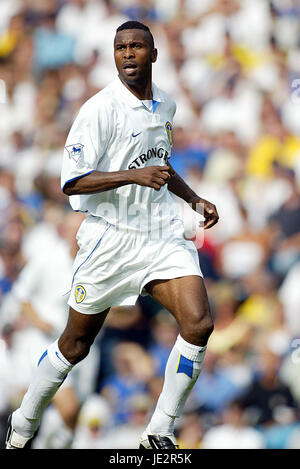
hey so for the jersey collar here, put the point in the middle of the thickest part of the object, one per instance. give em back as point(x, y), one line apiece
point(132, 100)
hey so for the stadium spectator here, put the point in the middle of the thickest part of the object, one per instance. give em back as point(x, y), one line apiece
point(234, 432)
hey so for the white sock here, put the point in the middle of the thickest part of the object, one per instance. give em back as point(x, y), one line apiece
point(182, 370)
point(51, 371)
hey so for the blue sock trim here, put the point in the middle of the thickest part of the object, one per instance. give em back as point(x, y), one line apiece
point(42, 357)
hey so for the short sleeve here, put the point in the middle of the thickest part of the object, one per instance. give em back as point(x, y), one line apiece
point(86, 142)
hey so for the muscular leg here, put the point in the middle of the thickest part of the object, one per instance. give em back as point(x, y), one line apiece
point(79, 334)
point(186, 299)
point(72, 347)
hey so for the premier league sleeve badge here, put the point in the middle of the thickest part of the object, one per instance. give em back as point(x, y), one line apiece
point(75, 151)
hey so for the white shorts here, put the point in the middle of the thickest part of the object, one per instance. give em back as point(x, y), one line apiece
point(112, 266)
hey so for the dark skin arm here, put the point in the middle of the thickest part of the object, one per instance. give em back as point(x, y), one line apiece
point(151, 176)
point(99, 181)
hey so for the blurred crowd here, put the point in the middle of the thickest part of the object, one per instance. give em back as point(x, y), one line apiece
point(233, 67)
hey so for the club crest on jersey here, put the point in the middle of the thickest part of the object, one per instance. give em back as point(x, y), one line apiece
point(79, 293)
point(169, 130)
point(75, 151)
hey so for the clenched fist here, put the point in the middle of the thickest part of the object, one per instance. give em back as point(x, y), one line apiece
point(151, 176)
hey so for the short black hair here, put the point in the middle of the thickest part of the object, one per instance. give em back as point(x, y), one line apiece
point(137, 25)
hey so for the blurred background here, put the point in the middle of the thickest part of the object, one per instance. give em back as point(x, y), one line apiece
point(233, 67)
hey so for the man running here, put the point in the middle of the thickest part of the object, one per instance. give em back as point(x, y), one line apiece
point(116, 169)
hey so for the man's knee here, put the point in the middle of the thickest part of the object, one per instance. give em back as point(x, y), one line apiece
point(206, 328)
point(198, 329)
point(74, 349)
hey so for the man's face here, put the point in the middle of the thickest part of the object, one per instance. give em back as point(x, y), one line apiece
point(133, 55)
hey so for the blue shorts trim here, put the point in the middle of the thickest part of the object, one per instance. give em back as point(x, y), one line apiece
point(91, 253)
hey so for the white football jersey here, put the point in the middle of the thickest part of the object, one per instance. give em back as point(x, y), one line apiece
point(116, 131)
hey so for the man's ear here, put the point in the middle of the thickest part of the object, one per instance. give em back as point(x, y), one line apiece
point(154, 55)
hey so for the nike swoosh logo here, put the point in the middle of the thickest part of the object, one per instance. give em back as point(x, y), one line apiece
point(135, 135)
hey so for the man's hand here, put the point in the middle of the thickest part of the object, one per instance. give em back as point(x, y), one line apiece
point(151, 176)
point(207, 209)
